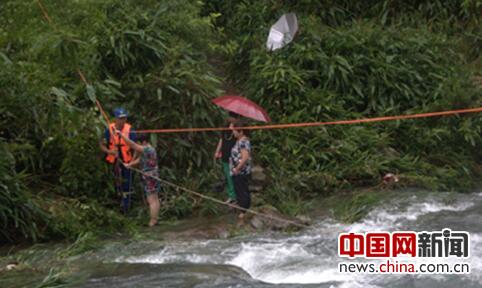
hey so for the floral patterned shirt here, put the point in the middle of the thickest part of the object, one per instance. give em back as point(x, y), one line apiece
point(149, 159)
point(149, 166)
point(236, 156)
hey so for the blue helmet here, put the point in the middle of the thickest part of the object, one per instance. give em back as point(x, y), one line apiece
point(120, 112)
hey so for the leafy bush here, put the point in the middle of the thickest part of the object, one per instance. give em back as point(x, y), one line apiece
point(71, 218)
point(19, 216)
point(150, 58)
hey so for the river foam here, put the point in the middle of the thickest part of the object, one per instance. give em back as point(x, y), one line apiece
point(310, 256)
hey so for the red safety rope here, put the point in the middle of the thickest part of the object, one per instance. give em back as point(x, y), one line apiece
point(314, 124)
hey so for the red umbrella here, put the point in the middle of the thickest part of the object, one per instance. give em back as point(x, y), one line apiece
point(242, 106)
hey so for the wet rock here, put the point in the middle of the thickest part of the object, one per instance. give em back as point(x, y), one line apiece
point(255, 188)
point(11, 267)
point(257, 174)
point(257, 223)
point(166, 275)
point(258, 179)
point(206, 232)
point(303, 219)
point(272, 219)
point(223, 234)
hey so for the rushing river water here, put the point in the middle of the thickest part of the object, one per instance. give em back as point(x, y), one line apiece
point(307, 258)
point(303, 259)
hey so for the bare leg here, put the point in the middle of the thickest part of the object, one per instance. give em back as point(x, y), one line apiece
point(241, 219)
point(154, 205)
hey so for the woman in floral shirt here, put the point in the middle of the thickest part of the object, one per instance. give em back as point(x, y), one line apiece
point(240, 164)
point(147, 157)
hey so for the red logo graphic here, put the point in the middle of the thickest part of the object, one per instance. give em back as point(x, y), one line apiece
point(377, 244)
point(351, 244)
point(404, 244)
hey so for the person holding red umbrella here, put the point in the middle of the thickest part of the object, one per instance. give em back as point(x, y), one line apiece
point(223, 152)
point(242, 106)
point(240, 154)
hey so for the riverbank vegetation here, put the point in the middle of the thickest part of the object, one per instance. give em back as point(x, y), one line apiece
point(165, 60)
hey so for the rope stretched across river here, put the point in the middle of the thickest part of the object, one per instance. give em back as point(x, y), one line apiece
point(316, 124)
point(270, 217)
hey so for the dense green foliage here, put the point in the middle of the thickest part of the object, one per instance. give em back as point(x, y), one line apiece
point(18, 214)
point(147, 58)
point(165, 60)
point(355, 60)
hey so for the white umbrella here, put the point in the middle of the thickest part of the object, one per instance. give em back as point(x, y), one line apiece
point(282, 32)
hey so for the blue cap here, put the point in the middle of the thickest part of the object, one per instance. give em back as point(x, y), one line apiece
point(120, 112)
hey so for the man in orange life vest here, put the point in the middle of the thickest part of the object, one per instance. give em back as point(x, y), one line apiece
point(117, 149)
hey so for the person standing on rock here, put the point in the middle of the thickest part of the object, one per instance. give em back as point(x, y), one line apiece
point(223, 152)
point(146, 156)
point(118, 151)
point(240, 166)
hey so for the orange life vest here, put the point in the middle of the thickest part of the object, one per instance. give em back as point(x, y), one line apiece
point(115, 141)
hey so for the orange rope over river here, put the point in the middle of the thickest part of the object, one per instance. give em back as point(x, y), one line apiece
point(314, 124)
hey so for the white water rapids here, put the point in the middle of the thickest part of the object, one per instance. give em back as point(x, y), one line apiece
point(310, 256)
